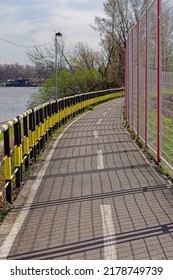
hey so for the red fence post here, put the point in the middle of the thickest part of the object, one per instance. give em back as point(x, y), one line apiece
point(132, 111)
point(126, 74)
point(128, 84)
point(146, 81)
point(127, 81)
point(138, 29)
point(158, 82)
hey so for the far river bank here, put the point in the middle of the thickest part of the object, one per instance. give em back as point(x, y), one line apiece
point(13, 101)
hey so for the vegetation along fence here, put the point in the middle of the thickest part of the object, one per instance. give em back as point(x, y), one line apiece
point(23, 138)
point(149, 79)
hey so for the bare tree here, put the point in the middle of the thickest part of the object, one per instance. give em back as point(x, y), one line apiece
point(85, 57)
point(167, 39)
point(120, 16)
point(44, 58)
point(14, 71)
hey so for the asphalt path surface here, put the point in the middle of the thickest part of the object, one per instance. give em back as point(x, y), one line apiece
point(96, 197)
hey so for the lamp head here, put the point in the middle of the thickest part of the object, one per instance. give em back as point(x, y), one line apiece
point(58, 34)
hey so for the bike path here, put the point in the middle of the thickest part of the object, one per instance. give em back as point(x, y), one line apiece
point(96, 197)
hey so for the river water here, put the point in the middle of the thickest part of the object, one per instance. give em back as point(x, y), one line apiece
point(13, 101)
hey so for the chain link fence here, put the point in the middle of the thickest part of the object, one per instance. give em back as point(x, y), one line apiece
point(149, 79)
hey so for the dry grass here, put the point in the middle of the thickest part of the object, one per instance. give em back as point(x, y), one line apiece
point(2, 200)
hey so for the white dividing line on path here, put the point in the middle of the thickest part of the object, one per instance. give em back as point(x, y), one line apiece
point(122, 118)
point(110, 252)
point(96, 136)
point(10, 238)
point(109, 109)
point(99, 121)
point(100, 164)
point(104, 114)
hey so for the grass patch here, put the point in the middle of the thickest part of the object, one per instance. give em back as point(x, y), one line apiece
point(89, 108)
point(4, 211)
point(167, 135)
point(167, 142)
point(161, 167)
point(153, 96)
point(11, 131)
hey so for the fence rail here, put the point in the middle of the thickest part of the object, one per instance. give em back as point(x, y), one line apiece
point(23, 138)
point(149, 79)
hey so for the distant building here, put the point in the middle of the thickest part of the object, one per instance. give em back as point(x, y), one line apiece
point(19, 82)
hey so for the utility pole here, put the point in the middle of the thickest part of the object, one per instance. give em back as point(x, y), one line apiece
point(58, 34)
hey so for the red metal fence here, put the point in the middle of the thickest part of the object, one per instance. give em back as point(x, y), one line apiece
point(149, 79)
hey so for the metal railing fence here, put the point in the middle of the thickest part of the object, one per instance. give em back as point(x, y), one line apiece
point(149, 79)
point(23, 138)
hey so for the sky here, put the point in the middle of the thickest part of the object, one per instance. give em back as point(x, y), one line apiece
point(34, 22)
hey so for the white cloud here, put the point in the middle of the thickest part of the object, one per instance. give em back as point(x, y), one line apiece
point(36, 22)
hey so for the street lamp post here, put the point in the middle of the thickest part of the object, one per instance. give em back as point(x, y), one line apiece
point(58, 34)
